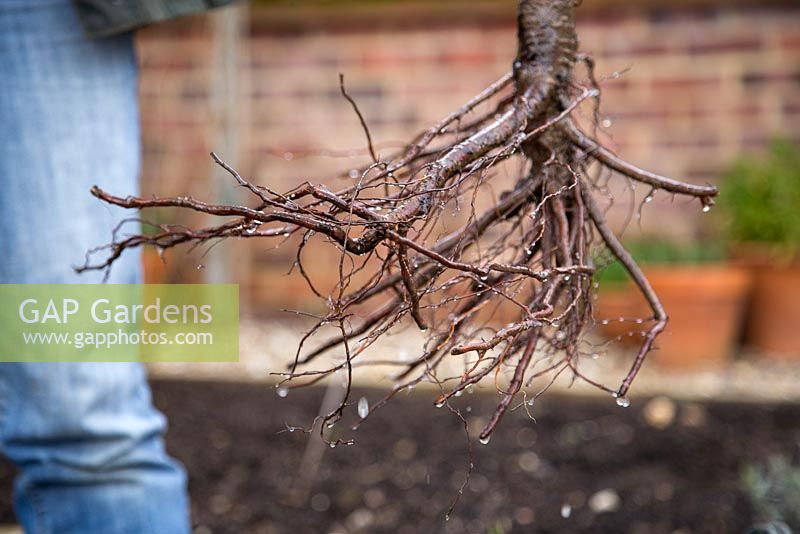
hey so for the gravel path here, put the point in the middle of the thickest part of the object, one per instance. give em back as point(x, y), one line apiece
point(268, 346)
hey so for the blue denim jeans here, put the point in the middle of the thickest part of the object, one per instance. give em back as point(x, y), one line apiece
point(85, 436)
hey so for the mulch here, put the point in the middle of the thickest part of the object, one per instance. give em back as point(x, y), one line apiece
point(410, 459)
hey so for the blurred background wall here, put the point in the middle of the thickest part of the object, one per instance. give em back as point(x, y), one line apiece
point(690, 85)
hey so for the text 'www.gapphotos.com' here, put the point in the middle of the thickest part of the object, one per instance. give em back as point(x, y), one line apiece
point(107, 340)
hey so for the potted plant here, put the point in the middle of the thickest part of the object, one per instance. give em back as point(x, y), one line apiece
point(703, 295)
point(761, 207)
point(154, 266)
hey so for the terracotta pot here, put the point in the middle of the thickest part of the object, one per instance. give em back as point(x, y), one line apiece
point(620, 302)
point(705, 304)
point(773, 325)
point(155, 270)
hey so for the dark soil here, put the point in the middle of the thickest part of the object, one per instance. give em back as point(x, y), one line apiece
point(410, 460)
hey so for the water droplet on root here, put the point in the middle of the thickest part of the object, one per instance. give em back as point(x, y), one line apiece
point(363, 407)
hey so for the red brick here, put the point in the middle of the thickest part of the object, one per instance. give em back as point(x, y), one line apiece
point(689, 141)
point(791, 106)
point(754, 78)
point(791, 41)
point(725, 44)
point(705, 174)
point(372, 59)
point(641, 113)
point(637, 49)
point(683, 82)
point(472, 57)
point(749, 109)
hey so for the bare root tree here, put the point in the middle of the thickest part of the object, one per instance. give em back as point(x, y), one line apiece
point(532, 249)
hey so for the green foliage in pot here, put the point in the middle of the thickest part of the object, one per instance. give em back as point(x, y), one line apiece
point(774, 491)
point(760, 199)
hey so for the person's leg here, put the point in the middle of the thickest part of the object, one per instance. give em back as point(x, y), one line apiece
point(85, 435)
point(89, 447)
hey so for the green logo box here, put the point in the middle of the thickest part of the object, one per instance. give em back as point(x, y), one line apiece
point(119, 322)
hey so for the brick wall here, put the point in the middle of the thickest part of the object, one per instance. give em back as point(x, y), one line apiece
point(697, 87)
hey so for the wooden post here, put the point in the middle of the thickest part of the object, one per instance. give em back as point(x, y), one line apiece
point(229, 100)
